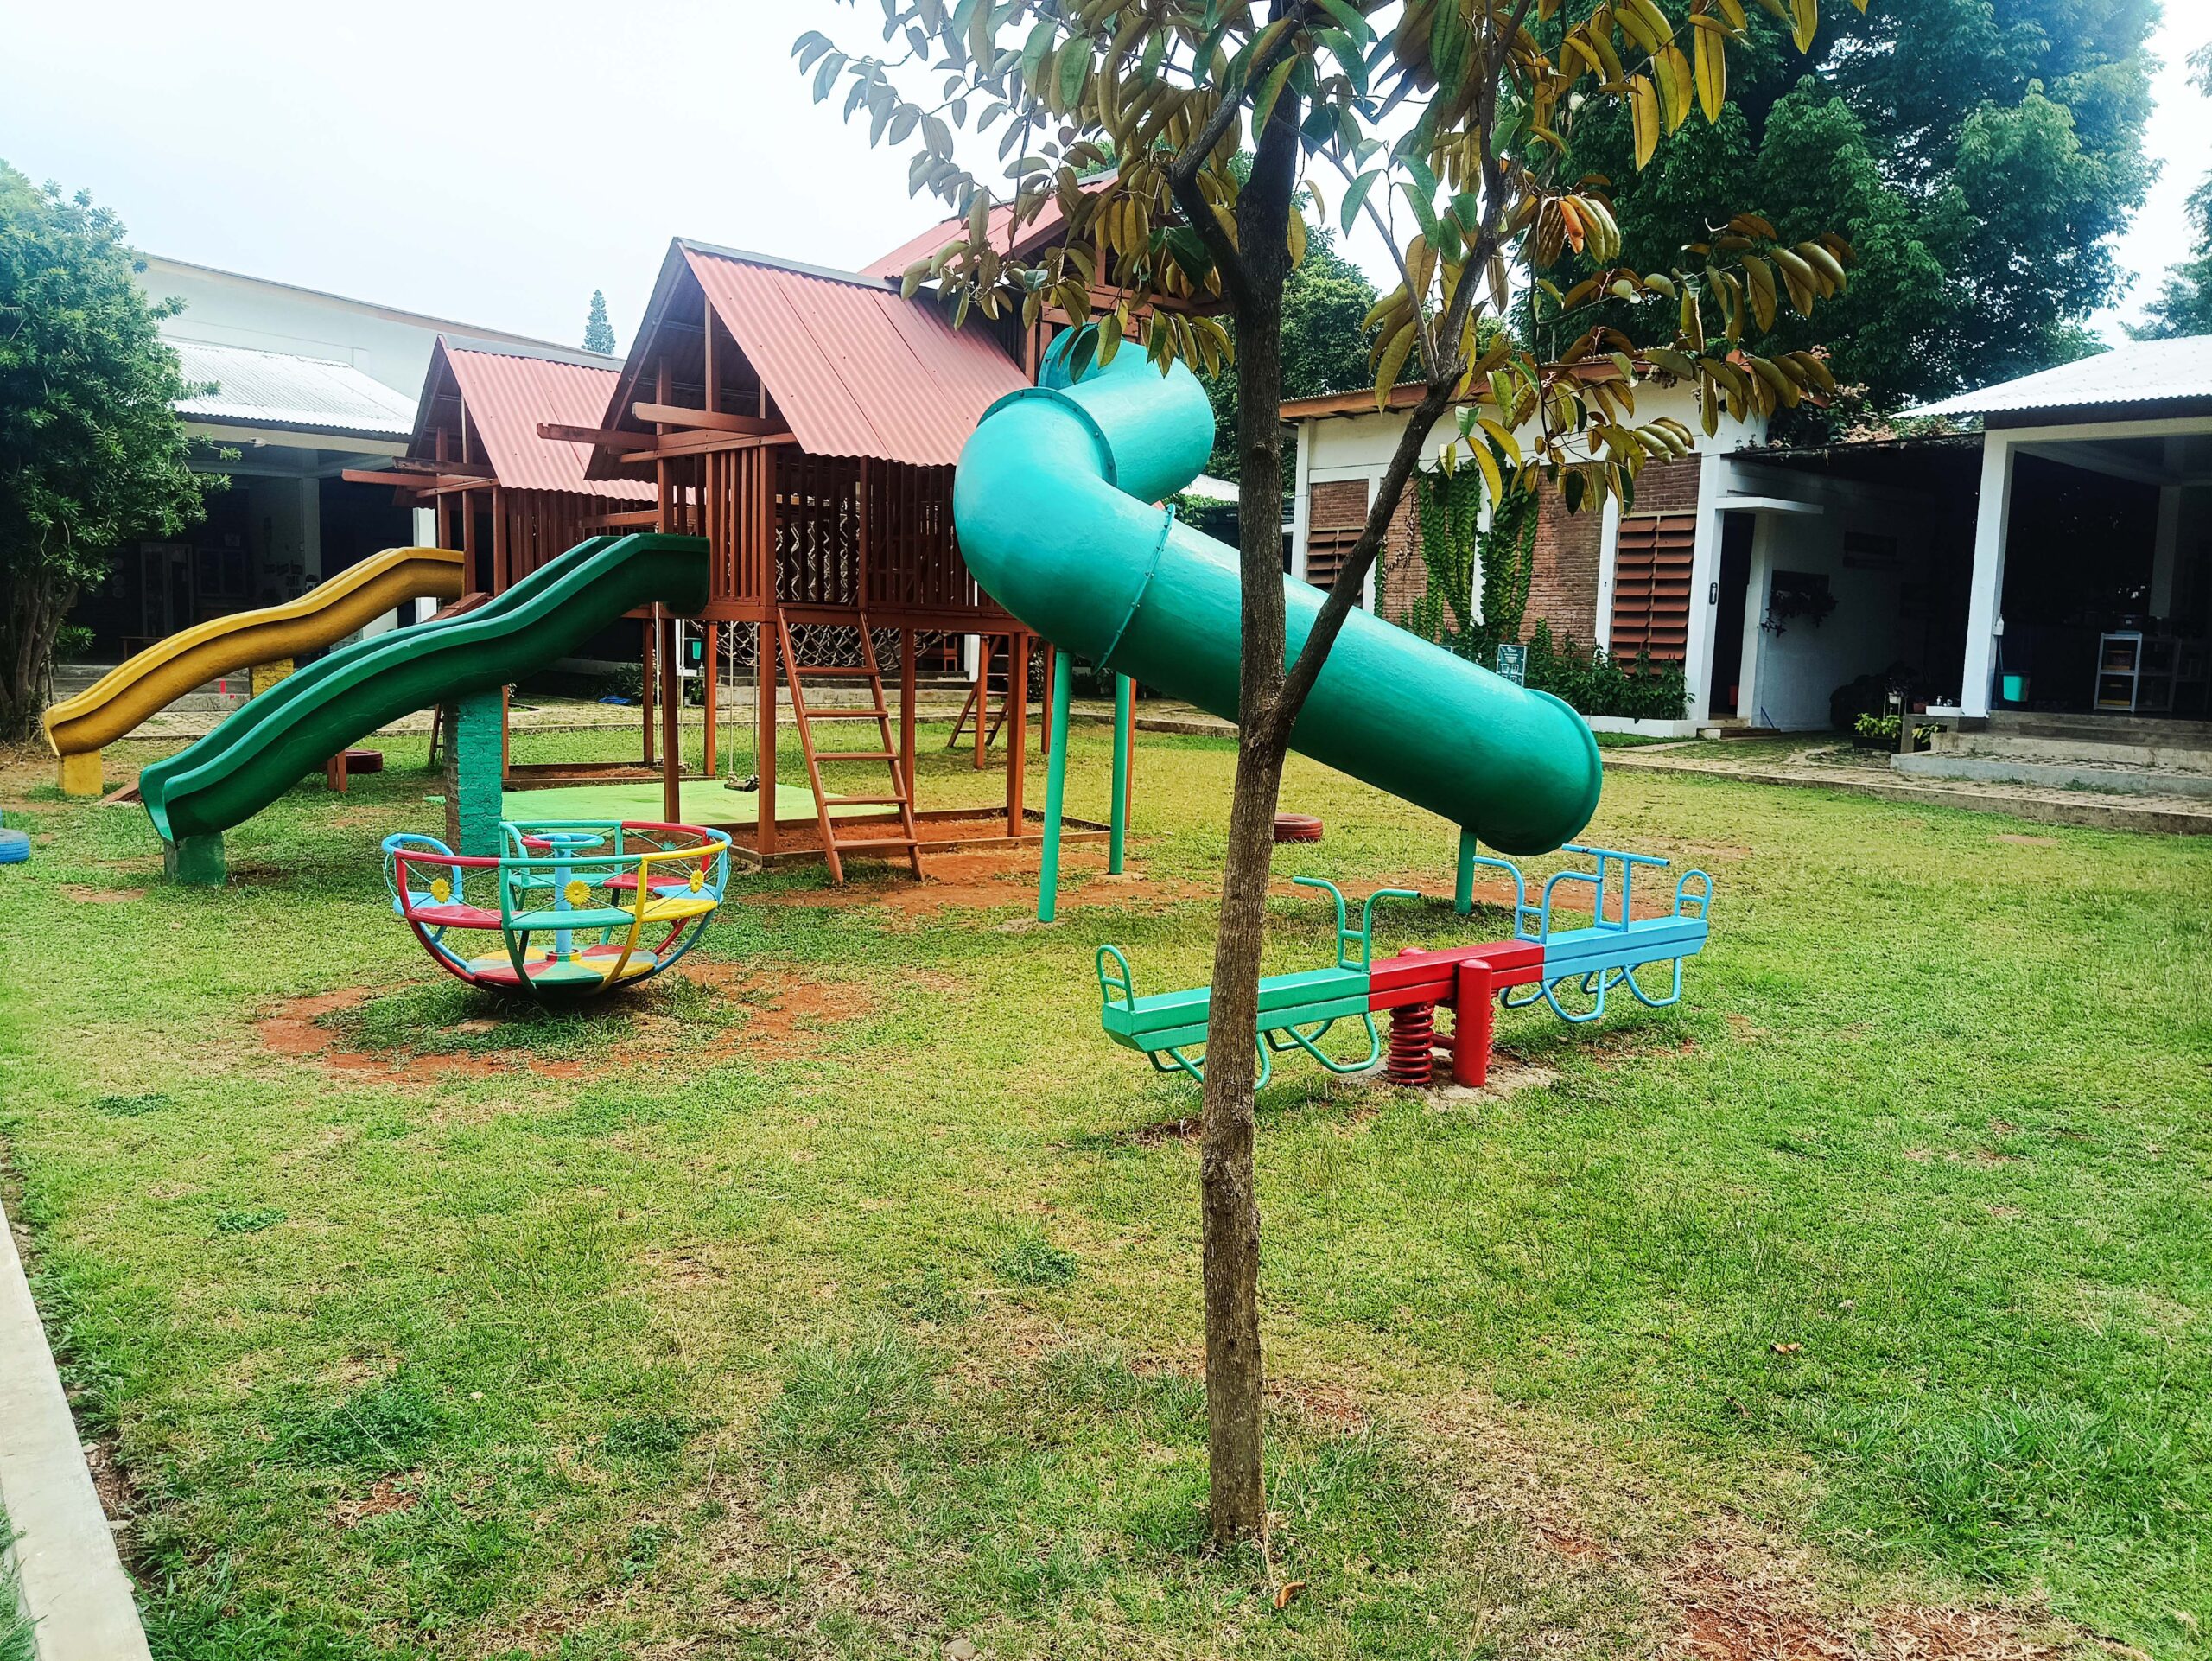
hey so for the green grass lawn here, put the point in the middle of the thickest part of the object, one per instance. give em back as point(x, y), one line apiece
point(838, 1296)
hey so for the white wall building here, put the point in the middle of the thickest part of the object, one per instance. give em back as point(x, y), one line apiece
point(304, 385)
point(2058, 565)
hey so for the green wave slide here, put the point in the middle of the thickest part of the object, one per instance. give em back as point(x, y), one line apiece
point(1053, 503)
point(267, 745)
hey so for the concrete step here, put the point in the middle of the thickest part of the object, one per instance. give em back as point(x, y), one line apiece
point(2156, 731)
point(2102, 777)
point(2176, 751)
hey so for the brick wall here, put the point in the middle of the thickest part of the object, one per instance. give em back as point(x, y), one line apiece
point(1668, 487)
point(1563, 576)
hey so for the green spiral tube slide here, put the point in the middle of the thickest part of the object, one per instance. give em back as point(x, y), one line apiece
point(1053, 503)
point(267, 746)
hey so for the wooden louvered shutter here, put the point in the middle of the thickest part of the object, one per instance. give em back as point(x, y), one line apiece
point(1336, 514)
point(1651, 588)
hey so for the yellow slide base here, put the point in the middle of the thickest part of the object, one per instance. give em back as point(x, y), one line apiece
point(79, 774)
point(326, 614)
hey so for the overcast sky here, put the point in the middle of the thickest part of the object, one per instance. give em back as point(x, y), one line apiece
point(494, 163)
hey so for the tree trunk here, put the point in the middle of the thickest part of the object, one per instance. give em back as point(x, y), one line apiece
point(1228, 1194)
point(27, 636)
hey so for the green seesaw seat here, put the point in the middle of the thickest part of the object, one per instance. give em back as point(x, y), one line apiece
point(1296, 1011)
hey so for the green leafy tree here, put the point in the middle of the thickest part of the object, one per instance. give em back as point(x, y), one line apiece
point(1438, 120)
point(1978, 155)
point(2184, 304)
point(599, 334)
point(92, 453)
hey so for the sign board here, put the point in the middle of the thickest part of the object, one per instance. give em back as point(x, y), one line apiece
point(1513, 664)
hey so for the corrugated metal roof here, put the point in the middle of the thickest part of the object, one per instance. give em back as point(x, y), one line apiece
point(2142, 372)
point(274, 389)
point(856, 369)
point(508, 392)
point(1038, 233)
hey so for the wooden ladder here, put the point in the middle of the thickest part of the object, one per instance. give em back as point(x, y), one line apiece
point(796, 675)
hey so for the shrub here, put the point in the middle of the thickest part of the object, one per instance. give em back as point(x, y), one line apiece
point(1594, 683)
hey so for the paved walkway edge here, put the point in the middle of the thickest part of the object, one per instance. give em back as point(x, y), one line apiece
point(72, 1582)
point(2170, 817)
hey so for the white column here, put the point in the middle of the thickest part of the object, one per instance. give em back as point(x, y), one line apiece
point(1992, 520)
point(1714, 478)
point(1301, 505)
point(1608, 550)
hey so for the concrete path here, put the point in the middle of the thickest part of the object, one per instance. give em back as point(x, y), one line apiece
point(71, 1582)
point(2175, 816)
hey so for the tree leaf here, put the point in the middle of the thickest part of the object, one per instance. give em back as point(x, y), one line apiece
point(1355, 195)
point(1394, 360)
point(1643, 109)
point(1711, 71)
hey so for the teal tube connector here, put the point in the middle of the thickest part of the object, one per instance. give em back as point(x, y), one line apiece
point(1053, 504)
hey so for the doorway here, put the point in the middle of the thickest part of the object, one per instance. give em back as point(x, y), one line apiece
point(1732, 594)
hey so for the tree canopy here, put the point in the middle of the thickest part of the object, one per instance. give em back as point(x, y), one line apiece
point(92, 453)
point(1978, 155)
point(599, 334)
point(2184, 303)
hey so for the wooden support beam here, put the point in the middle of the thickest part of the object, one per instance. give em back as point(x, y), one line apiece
point(677, 446)
point(606, 438)
point(676, 415)
point(480, 470)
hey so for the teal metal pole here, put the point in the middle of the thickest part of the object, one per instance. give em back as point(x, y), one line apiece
point(1056, 778)
point(1121, 739)
point(1463, 898)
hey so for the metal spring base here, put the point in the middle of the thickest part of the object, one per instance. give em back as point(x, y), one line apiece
point(1413, 1046)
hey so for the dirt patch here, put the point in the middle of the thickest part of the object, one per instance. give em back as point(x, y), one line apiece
point(1759, 1615)
point(989, 879)
point(2018, 840)
point(781, 1017)
point(84, 896)
point(388, 1496)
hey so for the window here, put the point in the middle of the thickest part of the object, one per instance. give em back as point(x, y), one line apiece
point(1651, 588)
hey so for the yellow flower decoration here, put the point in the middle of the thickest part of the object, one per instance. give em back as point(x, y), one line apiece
point(440, 890)
point(578, 891)
point(698, 879)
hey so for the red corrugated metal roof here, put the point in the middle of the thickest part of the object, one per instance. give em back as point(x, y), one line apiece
point(508, 394)
point(1038, 233)
point(856, 369)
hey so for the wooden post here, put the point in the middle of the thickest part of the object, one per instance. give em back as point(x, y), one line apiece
point(671, 703)
point(764, 759)
point(1017, 737)
point(710, 667)
point(1045, 698)
point(907, 708)
point(983, 643)
point(646, 684)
